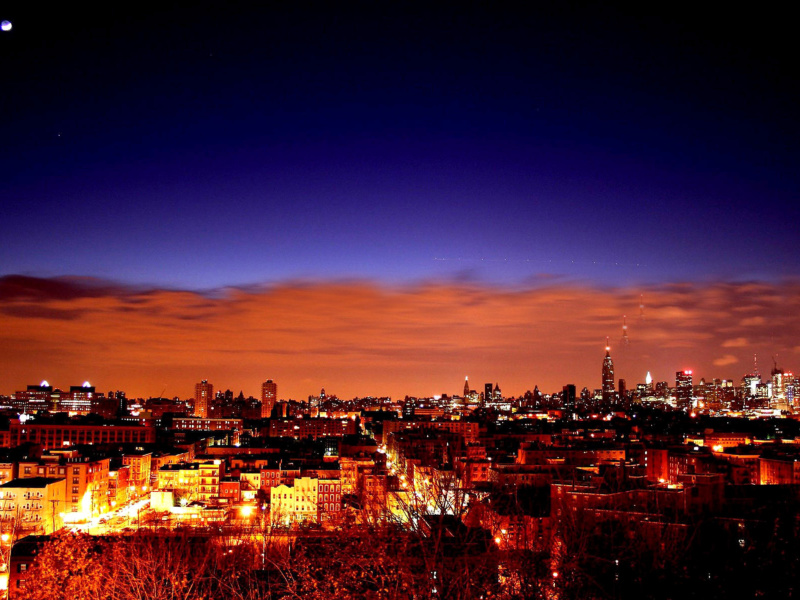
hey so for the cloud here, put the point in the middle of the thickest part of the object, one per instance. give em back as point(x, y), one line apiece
point(728, 359)
point(14, 287)
point(359, 338)
point(753, 321)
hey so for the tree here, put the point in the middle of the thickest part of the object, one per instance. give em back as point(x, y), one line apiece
point(70, 567)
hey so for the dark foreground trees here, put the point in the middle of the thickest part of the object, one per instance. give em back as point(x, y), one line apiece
point(377, 562)
point(440, 559)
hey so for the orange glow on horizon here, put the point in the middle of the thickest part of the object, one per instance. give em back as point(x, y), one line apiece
point(359, 339)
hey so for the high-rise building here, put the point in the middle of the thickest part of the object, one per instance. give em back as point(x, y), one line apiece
point(608, 388)
point(497, 394)
point(586, 396)
point(683, 390)
point(269, 395)
point(750, 383)
point(122, 403)
point(203, 393)
point(79, 400)
point(487, 392)
point(466, 386)
point(782, 389)
point(568, 397)
point(36, 397)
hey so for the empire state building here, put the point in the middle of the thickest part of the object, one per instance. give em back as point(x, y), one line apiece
point(609, 392)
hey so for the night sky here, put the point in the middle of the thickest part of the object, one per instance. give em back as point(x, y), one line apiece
point(383, 198)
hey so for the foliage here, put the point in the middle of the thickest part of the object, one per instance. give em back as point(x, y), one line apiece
point(68, 567)
point(430, 556)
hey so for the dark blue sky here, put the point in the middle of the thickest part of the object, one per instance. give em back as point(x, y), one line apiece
point(223, 145)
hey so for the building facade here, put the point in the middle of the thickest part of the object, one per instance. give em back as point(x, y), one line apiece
point(269, 396)
point(203, 394)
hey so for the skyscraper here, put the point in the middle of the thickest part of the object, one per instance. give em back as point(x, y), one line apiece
point(269, 395)
point(203, 393)
point(568, 397)
point(122, 403)
point(487, 392)
point(608, 388)
point(466, 386)
point(683, 390)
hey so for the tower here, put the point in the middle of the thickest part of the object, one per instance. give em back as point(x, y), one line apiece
point(269, 395)
point(122, 403)
point(779, 383)
point(608, 388)
point(487, 393)
point(568, 397)
point(203, 392)
point(625, 340)
point(466, 386)
point(648, 385)
point(683, 390)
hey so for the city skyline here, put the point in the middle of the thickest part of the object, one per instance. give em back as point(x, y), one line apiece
point(382, 341)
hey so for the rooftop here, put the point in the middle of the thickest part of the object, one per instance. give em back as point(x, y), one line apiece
point(31, 482)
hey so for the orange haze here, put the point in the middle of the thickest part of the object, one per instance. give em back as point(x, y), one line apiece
point(359, 338)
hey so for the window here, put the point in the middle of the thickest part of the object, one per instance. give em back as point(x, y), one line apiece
point(27, 470)
point(76, 470)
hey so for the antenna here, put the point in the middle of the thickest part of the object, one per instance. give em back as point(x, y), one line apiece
point(641, 306)
point(625, 340)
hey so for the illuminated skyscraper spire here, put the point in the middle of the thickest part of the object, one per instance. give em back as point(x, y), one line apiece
point(466, 386)
point(608, 388)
